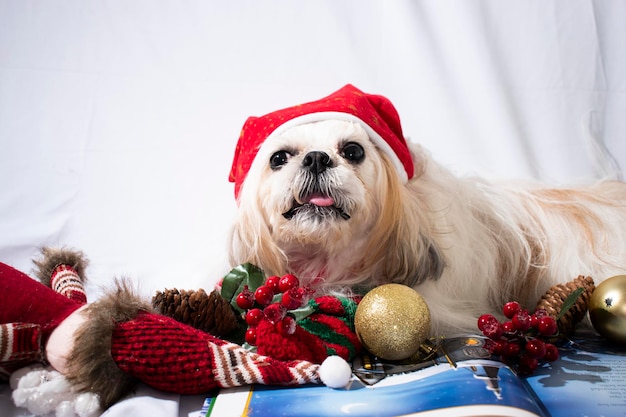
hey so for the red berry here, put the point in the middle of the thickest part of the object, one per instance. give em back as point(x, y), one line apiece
point(275, 313)
point(305, 293)
point(264, 295)
point(510, 308)
point(292, 299)
point(486, 319)
point(493, 330)
point(251, 336)
point(547, 326)
point(537, 316)
point(508, 327)
point(552, 353)
point(245, 299)
point(286, 326)
point(521, 320)
point(512, 350)
point(527, 364)
point(272, 282)
point(287, 282)
point(499, 347)
point(254, 317)
point(536, 348)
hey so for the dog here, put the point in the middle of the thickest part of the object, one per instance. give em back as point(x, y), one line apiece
point(322, 200)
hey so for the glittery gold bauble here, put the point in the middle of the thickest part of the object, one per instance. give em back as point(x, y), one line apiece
point(391, 321)
point(607, 308)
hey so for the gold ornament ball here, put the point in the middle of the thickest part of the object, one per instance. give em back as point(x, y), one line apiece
point(607, 308)
point(391, 321)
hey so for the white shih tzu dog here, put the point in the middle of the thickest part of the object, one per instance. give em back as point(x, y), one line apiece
point(331, 192)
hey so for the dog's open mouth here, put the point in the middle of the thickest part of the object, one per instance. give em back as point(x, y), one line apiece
point(317, 204)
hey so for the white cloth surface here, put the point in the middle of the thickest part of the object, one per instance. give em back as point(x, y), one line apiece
point(119, 119)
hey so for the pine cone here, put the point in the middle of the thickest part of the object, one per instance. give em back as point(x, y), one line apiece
point(210, 313)
point(552, 302)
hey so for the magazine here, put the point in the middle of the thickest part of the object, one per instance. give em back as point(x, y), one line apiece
point(461, 379)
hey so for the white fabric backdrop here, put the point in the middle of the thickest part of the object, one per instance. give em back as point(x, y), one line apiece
point(118, 119)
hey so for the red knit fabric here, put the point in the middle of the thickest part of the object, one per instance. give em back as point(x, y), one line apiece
point(330, 305)
point(328, 331)
point(164, 354)
point(375, 111)
point(28, 301)
point(300, 345)
point(20, 345)
point(340, 339)
point(174, 357)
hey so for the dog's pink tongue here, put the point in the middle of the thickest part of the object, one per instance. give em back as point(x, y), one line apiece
point(321, 200)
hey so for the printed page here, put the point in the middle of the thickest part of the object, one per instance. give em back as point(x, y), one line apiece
point(588, 380)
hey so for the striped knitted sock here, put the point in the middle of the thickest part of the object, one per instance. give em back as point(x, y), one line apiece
point(25, 300)
point(121, 342)
point(20, 345)
point(66, 281)
point(63, 270)
point(29, 312)
point(170, 356)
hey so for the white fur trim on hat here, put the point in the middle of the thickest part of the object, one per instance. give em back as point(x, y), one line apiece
point(376, 139)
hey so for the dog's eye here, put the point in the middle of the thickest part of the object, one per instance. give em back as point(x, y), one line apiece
point(353, 152)
point(279, 159)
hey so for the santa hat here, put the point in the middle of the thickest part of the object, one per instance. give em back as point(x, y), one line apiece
point(375, 113)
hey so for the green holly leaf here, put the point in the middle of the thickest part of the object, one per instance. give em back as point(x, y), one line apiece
point(303, 312)
point(238, 277)
point(570, 301)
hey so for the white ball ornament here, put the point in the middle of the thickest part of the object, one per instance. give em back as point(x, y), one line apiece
point(335, 372)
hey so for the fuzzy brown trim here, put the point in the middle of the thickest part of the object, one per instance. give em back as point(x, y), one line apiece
point(90, 365)
point(53, 257)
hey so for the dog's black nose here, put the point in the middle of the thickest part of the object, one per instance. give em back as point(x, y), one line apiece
point(316, 162)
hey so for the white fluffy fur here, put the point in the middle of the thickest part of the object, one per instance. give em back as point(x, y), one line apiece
point(467, 245)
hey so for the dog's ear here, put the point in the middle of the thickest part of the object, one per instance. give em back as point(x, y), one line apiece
point(400, 246)
point(412, 259)
point(428, 266)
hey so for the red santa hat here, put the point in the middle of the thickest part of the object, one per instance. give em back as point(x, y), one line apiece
point(375, 113)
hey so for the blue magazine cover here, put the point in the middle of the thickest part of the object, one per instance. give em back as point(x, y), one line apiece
point(463, 379)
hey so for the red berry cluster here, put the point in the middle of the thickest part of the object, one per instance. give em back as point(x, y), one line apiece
point(522, 338)
point(263, 304)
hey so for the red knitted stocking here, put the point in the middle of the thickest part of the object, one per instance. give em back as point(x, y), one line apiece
point(25, 300)
point(122, 340)
point(170, 356)
point(29, 312)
